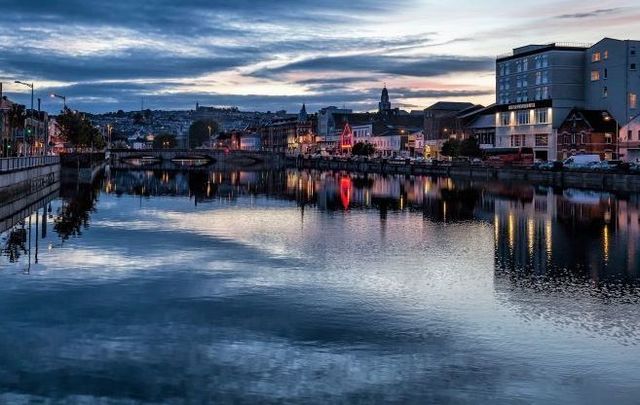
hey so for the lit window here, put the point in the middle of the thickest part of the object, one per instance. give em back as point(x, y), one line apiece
point(505, 119)
point(606, 54)
point(633, 100)
point(608, 138)
point(541, 116)
point(595, 75)
point(595, 57)
point(523, 117)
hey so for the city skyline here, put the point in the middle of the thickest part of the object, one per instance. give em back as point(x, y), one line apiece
point(277, 55)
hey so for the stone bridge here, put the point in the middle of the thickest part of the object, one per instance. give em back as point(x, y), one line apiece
point(218, 159)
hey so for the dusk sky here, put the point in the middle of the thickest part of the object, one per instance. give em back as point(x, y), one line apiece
point(271, 55)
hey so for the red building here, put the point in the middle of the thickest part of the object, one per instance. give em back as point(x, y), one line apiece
point(588, 132)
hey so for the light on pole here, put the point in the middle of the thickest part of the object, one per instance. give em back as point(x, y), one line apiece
point(29, 85)
point(607, 117)
point(63, 98)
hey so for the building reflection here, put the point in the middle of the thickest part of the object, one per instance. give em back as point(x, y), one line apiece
point(585, 234)
point(538, 231)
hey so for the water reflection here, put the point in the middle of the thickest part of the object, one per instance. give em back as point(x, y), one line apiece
point(315, 287)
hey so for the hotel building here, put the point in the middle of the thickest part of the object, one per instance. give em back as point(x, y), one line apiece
point(536, 88)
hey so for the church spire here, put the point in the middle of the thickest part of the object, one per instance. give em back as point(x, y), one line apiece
point(385, 104)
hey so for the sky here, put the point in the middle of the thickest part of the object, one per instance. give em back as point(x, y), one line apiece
point(269, 55)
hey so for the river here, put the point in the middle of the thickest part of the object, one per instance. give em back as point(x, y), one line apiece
point(321, 287)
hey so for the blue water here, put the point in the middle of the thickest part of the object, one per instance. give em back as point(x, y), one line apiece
point(308, 287)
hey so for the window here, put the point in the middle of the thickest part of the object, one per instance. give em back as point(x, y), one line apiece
point(538, 93)
point(545, 61)
point(605, 73)
point(538, 77)
point(595, 75)
point(606, 54)
point(545, 93)
point(542, 140)
point(542, 117)
point(632, 66)
point(605, 92)
point(505, 119)
point(633, 52)
point(519, 82)
point(523, 117)
point(519, 66)
point(545, 77)
point(525, 65)
point(629, 135)
point(608, 138)
point(517, 140)
point(633, 100)
point(595, 57)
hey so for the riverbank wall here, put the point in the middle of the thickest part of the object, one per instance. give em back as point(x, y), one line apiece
point(614, 181)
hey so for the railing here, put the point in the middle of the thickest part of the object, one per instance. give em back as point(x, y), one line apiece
point(27, 162)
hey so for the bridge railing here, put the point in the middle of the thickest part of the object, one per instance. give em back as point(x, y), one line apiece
point(26, 162)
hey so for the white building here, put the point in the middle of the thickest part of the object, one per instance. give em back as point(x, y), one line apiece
point(536, 87)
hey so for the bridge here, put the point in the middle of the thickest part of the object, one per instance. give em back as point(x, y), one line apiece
point(203, 158)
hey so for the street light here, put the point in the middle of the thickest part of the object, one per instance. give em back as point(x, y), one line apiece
point(64, 99)
point(607, 117)
point(29, 85)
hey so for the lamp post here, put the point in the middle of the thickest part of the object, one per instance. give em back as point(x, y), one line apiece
point(210, 143)
point(607, 117)
point(63, 98)
point(29, 85)
point(109, 128)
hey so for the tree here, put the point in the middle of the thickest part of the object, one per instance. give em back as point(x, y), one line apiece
point(451, 148)
point(164, 141)
point(470, 147)
point(199, 132)
point(363, 149)
point(77, 130)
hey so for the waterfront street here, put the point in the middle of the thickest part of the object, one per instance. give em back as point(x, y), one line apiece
point(316, 287)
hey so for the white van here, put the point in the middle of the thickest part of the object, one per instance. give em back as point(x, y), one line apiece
point(581, 160)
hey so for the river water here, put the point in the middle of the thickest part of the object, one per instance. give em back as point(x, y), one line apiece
point(311, 287)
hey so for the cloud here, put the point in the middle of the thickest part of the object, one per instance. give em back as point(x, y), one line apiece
point(428, 66)
point(589, 14)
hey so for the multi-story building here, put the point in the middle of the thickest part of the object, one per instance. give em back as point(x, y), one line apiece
point(612, 78)
point(536, 88)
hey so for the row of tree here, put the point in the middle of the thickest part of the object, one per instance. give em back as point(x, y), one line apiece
point(77, 130)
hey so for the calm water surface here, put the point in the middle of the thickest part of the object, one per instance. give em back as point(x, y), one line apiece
point(310, 287)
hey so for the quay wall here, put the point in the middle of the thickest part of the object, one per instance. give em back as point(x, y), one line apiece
point(17, 183)
point(564, 178)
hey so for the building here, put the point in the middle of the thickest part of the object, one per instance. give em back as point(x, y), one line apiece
point(536, 88)
point(612, 78)
point(289, 133)
point(629, 140)
point(481, 125)
point(587, 132)
point(441, 122)
point(327, 129)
